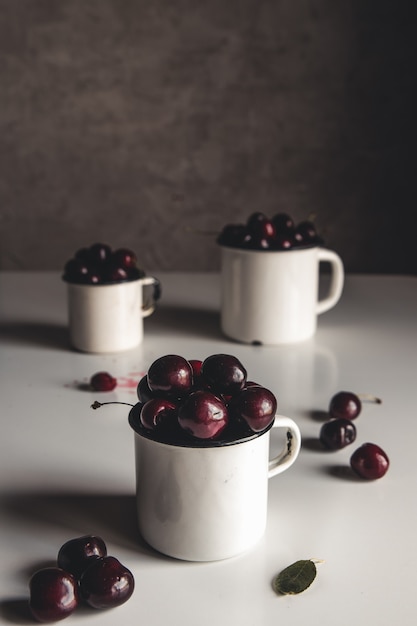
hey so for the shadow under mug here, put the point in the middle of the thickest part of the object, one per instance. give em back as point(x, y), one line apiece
point(272, 296)
point(109, 318)
point(207, 502)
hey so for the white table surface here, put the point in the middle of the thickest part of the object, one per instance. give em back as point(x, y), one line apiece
point(67, 470)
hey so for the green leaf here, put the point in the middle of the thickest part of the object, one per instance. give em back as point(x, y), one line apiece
point(296, 577)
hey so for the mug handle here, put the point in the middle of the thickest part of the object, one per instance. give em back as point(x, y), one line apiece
point(336, 281)
point(149, 307)
point(288, 455)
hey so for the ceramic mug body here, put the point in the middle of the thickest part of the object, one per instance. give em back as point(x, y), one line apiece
point(271, 297)
point(109, 318)
point(207, 503)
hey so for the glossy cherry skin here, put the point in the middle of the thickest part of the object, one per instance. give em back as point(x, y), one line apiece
point(171, 375)
point(203, 415)
point(369, 461)
point(143, 392)
point(156, 411)
point(337, 433)
point(260, 227)
point(196, 365)
point(256, 405)
point(103, 381)
point(224, 373)
point(199, 382)
point(106, 583)
point(306, 233)
point(53, 594)
point(261, 233)
point(284, 242)
point(99, 253)
point(345, 404)
point(124, 257)
point(117, 274)
point(78, 271)
point(283, 223)
point(98, 264)
point(75, 555)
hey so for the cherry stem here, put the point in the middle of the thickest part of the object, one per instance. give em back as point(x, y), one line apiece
point(97, 405)
point(366, 397)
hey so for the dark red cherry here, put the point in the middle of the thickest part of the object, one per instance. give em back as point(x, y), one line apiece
point(75, 268)
point(224, 373)
point(196, 365)
point(124, 257)
point(117, 274)
point(260, 227)
point(337, 433)
point(76, 554)
point(170, 374)
point(77, 271)
point(305, 233)
point(143, 392)
point(103, 381)
point(99, 253)
point(53, 594)
point(83, 254)
point(199, 381)
point(94, 278)
point(345, 404)
point(260, 243)
point(203, 415)
point(283, 223)
point(106, 583)
point(234, 235)
point(256, 405)
point(157, 411)
point(284, 242)
point(369, 461)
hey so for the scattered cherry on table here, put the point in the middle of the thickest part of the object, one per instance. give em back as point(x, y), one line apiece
point(370, 461)
point(54, 594)
point(103, 381)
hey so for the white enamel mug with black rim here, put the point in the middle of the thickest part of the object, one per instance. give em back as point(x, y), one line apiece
point(109, 318)
point(207, 501)
point(271, 297)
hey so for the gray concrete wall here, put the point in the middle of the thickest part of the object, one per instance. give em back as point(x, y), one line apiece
point(142, 122)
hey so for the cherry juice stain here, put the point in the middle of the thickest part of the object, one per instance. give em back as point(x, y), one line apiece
point(130, 382)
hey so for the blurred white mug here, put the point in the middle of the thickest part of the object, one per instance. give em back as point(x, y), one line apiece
point(272, 297)
point(109, 318)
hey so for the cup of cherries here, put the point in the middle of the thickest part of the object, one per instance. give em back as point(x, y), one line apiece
point(202, 432)
point(108, 297)
point(270, 270)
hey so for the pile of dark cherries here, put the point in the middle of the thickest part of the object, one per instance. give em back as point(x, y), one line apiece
point(194, 402)
point(84, 573)
point(277, 233)
point(100, 265)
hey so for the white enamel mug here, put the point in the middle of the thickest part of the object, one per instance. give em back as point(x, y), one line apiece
point(271, 297)
point(207, 503)
point(109, 318)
